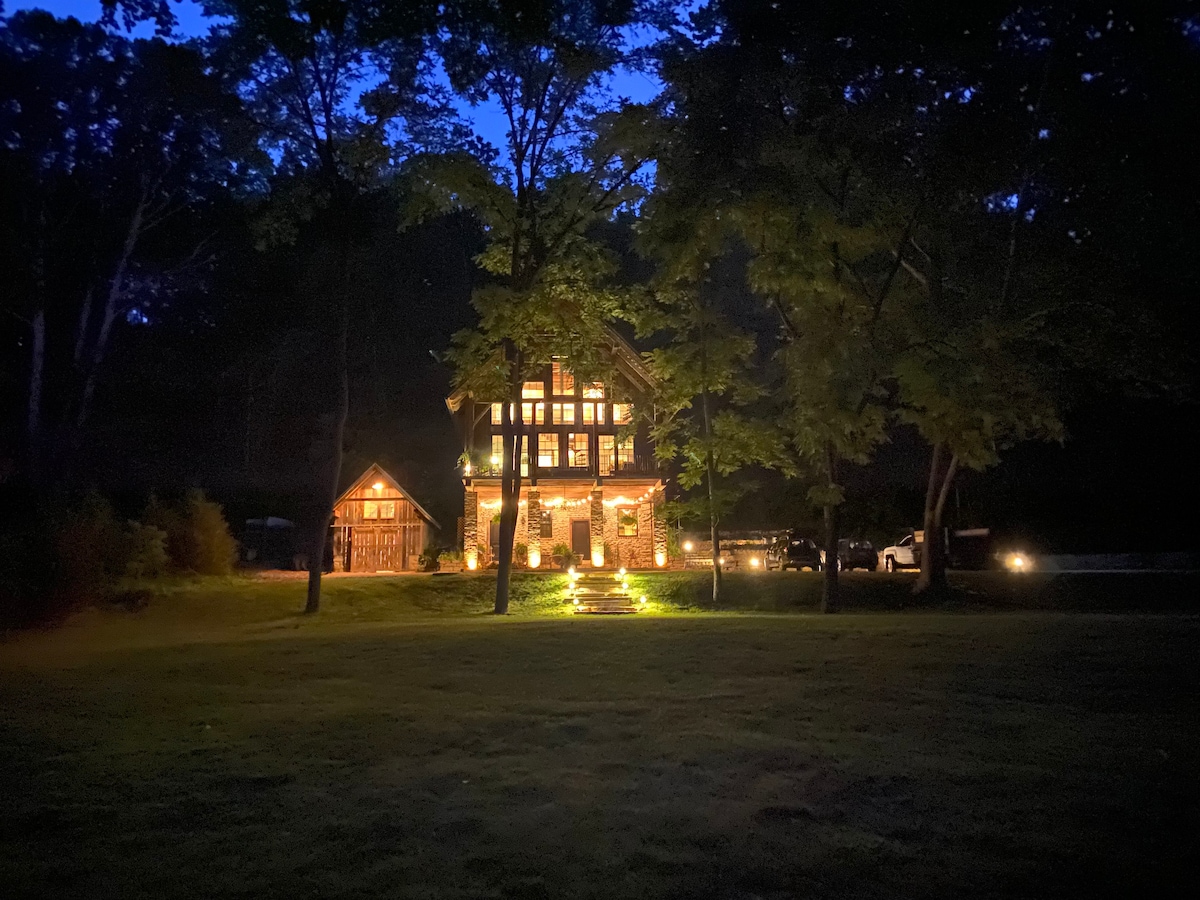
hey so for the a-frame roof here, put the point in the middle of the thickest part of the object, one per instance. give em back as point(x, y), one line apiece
point(376, 472)
point(628, 362)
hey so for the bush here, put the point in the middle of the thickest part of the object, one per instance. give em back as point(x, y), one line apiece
point(521, 555)
point(428, 560)
point(197, 536)
point(146, 551)
point(90, 550)
point(564, 557)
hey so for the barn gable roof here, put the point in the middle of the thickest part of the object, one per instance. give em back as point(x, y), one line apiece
point(376, 472)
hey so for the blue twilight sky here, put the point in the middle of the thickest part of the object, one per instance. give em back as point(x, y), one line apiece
point(486, 118)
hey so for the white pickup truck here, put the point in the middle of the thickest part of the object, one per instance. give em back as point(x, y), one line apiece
point(904, 554)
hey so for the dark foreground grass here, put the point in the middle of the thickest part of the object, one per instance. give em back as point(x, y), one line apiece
point(727, 756)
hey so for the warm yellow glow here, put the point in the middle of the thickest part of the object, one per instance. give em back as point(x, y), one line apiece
point(721, 561)
point(378, 485)
point(571, 571)
point(598, 557)
point(643, 599)
point(495, 460)
point(467, 468)
point(535, 558)
point(688, 546)
point(621, 571)
point(754, 561)
point(625, 585)
point(576, 602)
point(1018, 562)
point(660, 559)
point(472, 562)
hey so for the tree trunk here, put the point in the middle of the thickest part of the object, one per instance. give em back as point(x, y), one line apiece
point(316, 557)
point(510, 480)
point(932, 580)
point(37, 368)
point(116, 290)
point(830, 583)
point(710, 472)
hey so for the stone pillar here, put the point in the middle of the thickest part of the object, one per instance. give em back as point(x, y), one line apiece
point(533, 526)
point(471, 530)
point(597, 527)
point(660, 531)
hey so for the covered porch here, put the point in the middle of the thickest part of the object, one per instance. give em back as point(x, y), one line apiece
point(606, 523)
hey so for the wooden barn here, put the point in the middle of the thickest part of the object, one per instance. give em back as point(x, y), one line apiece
point(378, 526)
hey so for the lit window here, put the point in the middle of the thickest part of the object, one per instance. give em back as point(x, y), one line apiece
point(594, 391)
point(533, 390)
point(524, 455)
point(533, 413)
point(379, 509)
point(562, 413)
point(496, 460)
point(561, 381)
point(577, 451)
point(622, 413)
point(593, 414)
point(605, 462)
point(627, 521)
point(548, 451)
point(547, 524)
point(625, 455)
point(497, 413)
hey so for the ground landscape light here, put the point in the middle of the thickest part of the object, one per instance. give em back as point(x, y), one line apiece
point(688, 546)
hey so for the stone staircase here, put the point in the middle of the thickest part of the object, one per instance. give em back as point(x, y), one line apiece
point(600, 592)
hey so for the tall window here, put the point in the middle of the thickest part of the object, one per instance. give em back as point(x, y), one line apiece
point(548, 450)
point(622, 413)
point(627, 521)
point(577, 451)
point(497, 413)
point(593, 414)
point(533, 413)
point(605, 462)
point(497, 457)
point(533, 390)
point(547, 523)
point(625, 455)
point(594, 391)
point(562, 382)
point(562, 413)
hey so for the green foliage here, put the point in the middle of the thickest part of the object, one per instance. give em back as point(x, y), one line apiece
point(564, 557)
point(521, 554)
point(146, 551)
point(429, 559)
point(198, 538)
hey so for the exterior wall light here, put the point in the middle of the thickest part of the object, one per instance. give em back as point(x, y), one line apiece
point(688, 546)
point(660, 559)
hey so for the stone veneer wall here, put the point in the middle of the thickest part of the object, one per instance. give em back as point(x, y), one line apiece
point(471, 529)
point(634, 552)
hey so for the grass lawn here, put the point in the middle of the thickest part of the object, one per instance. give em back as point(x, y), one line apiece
point(215, 746)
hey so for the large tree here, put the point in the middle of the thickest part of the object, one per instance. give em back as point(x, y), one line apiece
point(110, 147)
point(573, 156)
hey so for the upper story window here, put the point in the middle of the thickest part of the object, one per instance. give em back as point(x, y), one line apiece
point(594, 391)
point(562, 413)
point(593, 414)
point(622, 413)
point(605, 462)
point(625, 454)
point(379, 509)
point(533, 413)
point(548, 450)
point(577, 451)
point(562, 382)
point(533, 390)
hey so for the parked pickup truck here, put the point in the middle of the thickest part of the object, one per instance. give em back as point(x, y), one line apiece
point(966, 548)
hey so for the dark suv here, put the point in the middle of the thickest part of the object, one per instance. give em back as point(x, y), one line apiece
point(793, 552)
point(856, 554)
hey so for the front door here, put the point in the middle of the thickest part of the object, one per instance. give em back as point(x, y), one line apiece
point(581, 538)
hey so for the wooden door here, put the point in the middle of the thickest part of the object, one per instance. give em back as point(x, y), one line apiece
point(581, 538)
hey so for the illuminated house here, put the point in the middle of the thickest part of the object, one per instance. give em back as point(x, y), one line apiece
point(589, 479)
point(378, 526)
